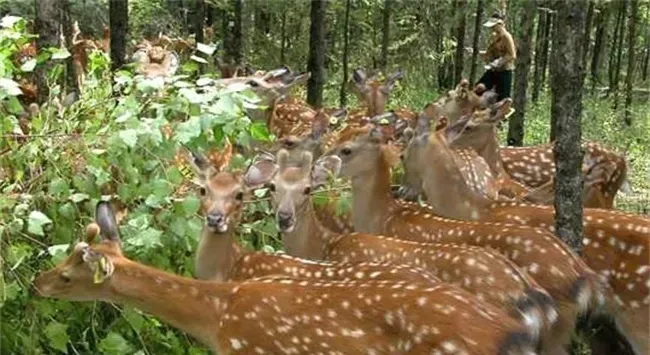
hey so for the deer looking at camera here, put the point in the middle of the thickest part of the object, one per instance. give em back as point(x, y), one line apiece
point(367, 161)
point(276, 314)
point(220, 257)
point(487, 274)
point(616, 245)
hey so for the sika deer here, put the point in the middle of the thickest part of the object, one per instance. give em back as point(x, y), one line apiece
point(478, 131)
point(616, 245)
point(275, 314)
point(570, 282)
point(219, 257)
point(486, 274)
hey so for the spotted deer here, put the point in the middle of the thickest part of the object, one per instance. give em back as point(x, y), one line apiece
point(487, 274)
point(220, 257)
point(367, 162)
point(478, 131)
point(463, 100)
point(277, 314)
point(616, 244)
point(155, 61)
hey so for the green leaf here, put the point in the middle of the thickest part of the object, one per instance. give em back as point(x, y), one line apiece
point(188, 130)
point(198, 59)
point(191, 205)
point(191, 95)
point(59, 187)
point(204, 48)
point(134, 318)
point(129, 137)
point(259, 193)
point(67, 210)
point(15, 107)
point(10, 87)
point(57, 335)
point(149, 237)
point(114, 344)
point(29, 65)
point(204, 81)
point(79, 197)
point(259, 131)
point(9, 21)
point(36, 221)
point(58, 252)
point(60, 53)
point(8, 292)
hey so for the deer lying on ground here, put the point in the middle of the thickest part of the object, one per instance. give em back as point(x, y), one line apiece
point(220, 257)
point(487, 274)
point(367, 162)
point(276, 314)
point(155, 61)
point(616, 244)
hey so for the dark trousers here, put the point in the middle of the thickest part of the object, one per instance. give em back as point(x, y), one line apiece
point(501, 81)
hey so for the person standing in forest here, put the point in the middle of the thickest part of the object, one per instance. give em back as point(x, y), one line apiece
point(500, 56)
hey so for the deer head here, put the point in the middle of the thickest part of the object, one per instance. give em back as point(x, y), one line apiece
point(86, 274)
point(222, 192)
point(463, 101)
point(373, 92)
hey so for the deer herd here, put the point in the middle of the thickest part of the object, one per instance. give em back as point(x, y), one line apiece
point(475, 270)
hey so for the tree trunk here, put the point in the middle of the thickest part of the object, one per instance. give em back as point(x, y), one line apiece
point(283, 35)
point(611, 68)
point(477, 34)
point(68, 33)
point(522, 66)
point(631, 57)
point(460, 40)
point(316, 62)
point(587, 38)
point(566, 106)
point(602, 21)
point(233, 33)
point(47, 27)
point(646, 61)
point(619, 52)
point(539, 49)
point(199, 21)
point(343, 98)
point(546, 48)
point(119, 23)
point(385, 39)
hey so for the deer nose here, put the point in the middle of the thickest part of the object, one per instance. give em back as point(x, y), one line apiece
point(215, 219)
point(285, 220)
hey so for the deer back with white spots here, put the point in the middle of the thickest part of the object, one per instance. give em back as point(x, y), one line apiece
point(616, 244)
point(564, 275)
point(276, 315)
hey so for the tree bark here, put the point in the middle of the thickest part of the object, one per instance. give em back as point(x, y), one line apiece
point(587, 38)
point(68, 32)
point(199, 21)
point(385, 39)
point(233, 33)
point(316, 62)
point(619, 52)
point(602, 21)
point(631, 58)
point(539, 49)
point(522, 66)
point(119, 24)
point(460, 40)
point(566, 106)
point(475, 39)
point(546, 48)
point(343, 98)
point(612, 52)
point(283, 35)
point(47, 27)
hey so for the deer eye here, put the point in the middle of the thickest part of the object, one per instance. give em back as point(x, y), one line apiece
point(307, 190)
point(271, 186)
point(239, 196)
point(65, 278)
point(253, 83)
point(346, 151)
point(202, 191)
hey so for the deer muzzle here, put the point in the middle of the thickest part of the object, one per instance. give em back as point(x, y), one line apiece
point(217, 221)
point(286, 221)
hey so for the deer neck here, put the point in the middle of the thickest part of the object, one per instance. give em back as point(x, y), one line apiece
point(192, 306)
point(490, 152)
point(371, 198)
point(216, 255)
point(445, 188)
point(308, 237)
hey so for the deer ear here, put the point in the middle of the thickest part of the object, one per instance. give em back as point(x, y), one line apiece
point(408, 134)
point(442, 124)
point(306, 159)
point(101, 267)
point(500, 110)
point(199, 163)
point(359, 76)
point(105, 219)
point(323, 168)
point(260, 173)
point(319, 125)
point(392, 80)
